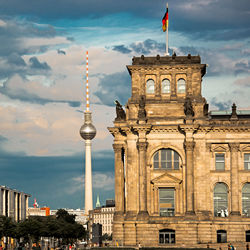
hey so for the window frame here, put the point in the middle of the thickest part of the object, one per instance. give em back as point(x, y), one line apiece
point(172, 210)
point(159, 160)
point(245, 212)
point(247, 161)
point(218, 162)
point(179, 84)
point(165, 80)
point(164, 233)
point(220, 233)
point(220, 204)
point(148, 87)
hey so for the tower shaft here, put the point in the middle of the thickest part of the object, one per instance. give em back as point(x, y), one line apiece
point(88, 177)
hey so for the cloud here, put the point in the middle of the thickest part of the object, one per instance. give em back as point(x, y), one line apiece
point(221, 105)
point(35, 64)
point(146, 47)
point(59, 51)
point(122, 49)
point(242, 66)
point(114, 87)
point(243, 82)
point(102, 181)
point(24, 91)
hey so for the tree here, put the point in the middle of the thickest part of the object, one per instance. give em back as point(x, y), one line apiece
point(7, 227)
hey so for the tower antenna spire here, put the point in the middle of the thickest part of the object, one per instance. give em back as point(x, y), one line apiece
point(87, 81)
point(88, 132)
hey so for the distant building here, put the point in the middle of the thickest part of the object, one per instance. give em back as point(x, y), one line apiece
point(104, 216)
point(38, 211)
point(81, 218)
point(97, 233)
point(13, 203)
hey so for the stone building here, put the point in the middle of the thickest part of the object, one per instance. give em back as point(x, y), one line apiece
point(13, 203)
point(103, 216)
point(182, 173)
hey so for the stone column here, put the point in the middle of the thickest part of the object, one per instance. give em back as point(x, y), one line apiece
point(173, 86)
point(234, 179)
point(119, 179)
point(142, 147)
point(189, 148)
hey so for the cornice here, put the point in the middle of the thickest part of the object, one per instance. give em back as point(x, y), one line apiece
point(224, 129)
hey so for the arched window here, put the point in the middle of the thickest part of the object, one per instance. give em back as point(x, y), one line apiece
point(220, 200)
point(246, 200)
point(221, 236)
point(181, 86)
point(167, 158)
point(167, 236)
point(165, 86)
point(150, 86)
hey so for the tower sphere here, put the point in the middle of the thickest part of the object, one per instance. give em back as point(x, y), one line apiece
point(87, 131)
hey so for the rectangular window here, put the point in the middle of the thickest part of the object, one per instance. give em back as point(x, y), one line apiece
point(219, 161)
point(167, 201)
point(247, 161)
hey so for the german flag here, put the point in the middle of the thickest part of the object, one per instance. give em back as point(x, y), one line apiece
point(165, 21)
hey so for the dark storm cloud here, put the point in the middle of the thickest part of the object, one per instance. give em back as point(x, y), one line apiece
point(59, 51)
point(35, 64)
point(121, 48)
point(184, 15)
point(45, 178)
point(12, 35)
point(114, 87)
point(25, 96)
point(146, 47)
point(13, 31)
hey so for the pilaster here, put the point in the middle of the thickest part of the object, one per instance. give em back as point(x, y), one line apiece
point(189, 146)
point(119, 179)
point(234, 178)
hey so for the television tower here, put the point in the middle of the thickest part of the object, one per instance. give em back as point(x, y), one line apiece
point(88, 132)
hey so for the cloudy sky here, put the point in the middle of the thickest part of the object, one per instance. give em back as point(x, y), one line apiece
point(42, 76)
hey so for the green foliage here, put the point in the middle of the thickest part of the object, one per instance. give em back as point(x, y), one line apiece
point(62, 226)
point(7, 227)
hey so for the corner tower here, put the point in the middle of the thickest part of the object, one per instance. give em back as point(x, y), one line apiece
point(181, 172)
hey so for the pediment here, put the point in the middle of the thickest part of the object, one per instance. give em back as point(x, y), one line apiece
point(166, 178)
point(219, 149)
point(246, 148)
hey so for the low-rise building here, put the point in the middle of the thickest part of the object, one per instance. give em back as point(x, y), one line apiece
point(13, 203)
point(81, 218)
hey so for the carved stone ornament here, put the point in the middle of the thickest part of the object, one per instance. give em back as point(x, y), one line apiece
point(120, 113)
point(142, 111)
point(117, 147)
point(142, 146)
point(188, 108)
point(234, 147)
point(189, 145)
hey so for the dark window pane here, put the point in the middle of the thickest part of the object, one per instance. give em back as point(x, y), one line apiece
point(220, 162)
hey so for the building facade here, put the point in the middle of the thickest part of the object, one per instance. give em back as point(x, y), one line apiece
point(104, 216)
point(13, 203)
point(182, 174)
point(80, 216)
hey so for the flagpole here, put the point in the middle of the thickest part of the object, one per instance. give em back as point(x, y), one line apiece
point(167, 38)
